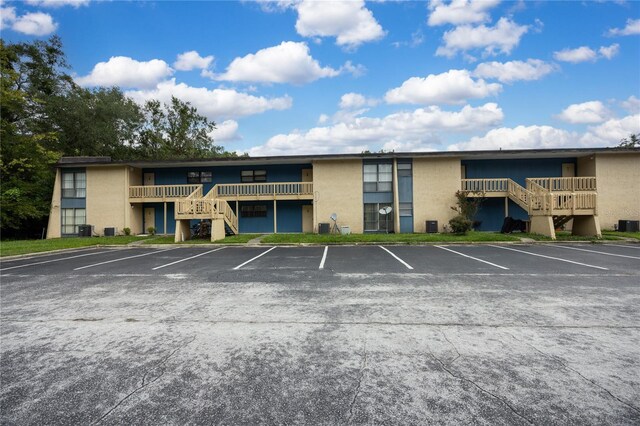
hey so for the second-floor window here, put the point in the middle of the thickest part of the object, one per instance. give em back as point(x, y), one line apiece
point(378, 177)
point(199, 177)
point(247, 176)
point(74, 184)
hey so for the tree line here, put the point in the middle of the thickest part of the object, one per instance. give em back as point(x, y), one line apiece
point(45, 115)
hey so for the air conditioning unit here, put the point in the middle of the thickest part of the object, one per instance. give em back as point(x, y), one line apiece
point(628, 225)
point(110, 231)
point(85, 230)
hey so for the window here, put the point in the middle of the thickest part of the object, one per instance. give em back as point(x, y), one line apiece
point(253, 211)
point(247, 176)
point(74, 184)
point(378, 177)
point(199, 177)
point(404, 169)
point(406, 209)
point(374, 221)
point(71, 219)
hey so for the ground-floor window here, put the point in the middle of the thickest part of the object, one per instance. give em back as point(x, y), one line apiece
point(374, 221)
point(253, 211)
point(71, 219)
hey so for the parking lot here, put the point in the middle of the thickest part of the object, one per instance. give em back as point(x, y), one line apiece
point(490, 334)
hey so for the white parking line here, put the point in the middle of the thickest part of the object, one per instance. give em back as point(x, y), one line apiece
point(324, 257)
point(550, 257)
point(621, 245)
point(186, 258)
point(598, 252)
point(49, 261)
point(471, 257)
point(123, 258)
point(397, 258)
point(252, 259)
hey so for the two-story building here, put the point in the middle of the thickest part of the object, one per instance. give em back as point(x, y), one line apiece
point(585, 189)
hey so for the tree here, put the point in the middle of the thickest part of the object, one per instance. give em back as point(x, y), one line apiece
point(176, 130)
point(633, 141)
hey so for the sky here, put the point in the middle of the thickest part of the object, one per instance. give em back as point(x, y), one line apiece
point(325, 77)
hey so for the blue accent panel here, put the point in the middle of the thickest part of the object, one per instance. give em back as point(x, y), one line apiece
point(405, 189)
point(406, 224)
point(73, 203)
point(159, 217)
point(227, 174)
point(378, 197)
point(256, 225)
point(516, 169)
point(290, 215)
point(491, 213)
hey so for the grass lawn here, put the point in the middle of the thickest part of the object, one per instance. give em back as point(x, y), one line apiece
point(234, 239)
point(566, 236)
point(387, 238)
point(12, 248)
point(635, 235)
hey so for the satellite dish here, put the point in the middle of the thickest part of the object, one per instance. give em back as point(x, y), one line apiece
point(333, 217)
point(385, 210)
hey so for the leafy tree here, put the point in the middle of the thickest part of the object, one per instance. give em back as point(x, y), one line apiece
point(633, 141)
point(176, 130)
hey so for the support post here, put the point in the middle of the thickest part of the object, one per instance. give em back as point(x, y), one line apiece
point(165, 218)
point(586, 225)
point(506, 206)
point(543, 225)
point(275, 217)
point(217, 229)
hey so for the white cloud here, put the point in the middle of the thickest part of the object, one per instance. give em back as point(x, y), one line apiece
point(58, 3)
point(216, 104)
point(632, 105)
point(508, 72)
point(188, 61)
point(226, 131)
point(126, 72)
point(349, 21)
point(520, 137)
point(289, 62)
point(503, 37)
point(355, 100)
point(632, 27)
point(585, 113)
point(412, 127)
point(608, 133)
point(585, 54)
point(451, 87)
point(7, 16)
point(458, 12)
point(37, 23)
point(609, 51)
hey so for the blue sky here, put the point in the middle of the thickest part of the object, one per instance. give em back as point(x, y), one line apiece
point(316, 77)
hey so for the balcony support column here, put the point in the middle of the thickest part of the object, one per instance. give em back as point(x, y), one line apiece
point(165, 218)
point(275, 217)
point(506, 206)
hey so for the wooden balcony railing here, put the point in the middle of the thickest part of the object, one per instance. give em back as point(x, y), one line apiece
point(206, 208)
point(162, 192)
point(569, 184)
point(485, 185)
point(262, 190)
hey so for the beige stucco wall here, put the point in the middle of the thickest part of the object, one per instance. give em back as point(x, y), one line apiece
point(618, 188)
point(107, 201)
point(586, 166)
point(337, 187)
point(435, 182)
point(54, 227)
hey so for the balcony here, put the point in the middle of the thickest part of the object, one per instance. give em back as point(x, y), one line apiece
point(263, 191)
point(163, 193)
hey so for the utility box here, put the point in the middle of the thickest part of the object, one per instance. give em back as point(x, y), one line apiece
point(110, 231)
point(431, 226)
point(629, 225)
point(323, 228)
point(85, 230)
point(345, 230)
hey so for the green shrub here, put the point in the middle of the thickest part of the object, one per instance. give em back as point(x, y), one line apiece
point(460, 225)
point(151, 230)
point(127, 231)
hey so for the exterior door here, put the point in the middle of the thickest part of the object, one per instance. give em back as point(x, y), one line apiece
point(149, 178)
point(149, 218)
point(568, 170)
point(307, 219)
point(307, 175)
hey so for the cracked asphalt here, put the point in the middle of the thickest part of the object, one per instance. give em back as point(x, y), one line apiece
point(479, 334)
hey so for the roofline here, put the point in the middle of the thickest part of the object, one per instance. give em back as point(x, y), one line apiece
point(293, 159)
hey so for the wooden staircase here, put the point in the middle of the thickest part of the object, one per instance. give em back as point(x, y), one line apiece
point(549, 202)
point(197, 206)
